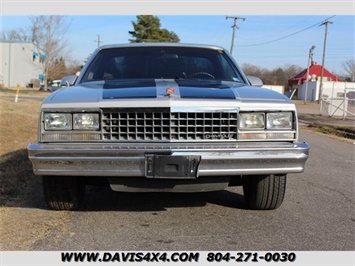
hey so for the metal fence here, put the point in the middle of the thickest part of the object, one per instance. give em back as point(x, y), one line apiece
point(339, 104)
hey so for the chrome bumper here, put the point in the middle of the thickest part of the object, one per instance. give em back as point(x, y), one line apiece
point(118, 160)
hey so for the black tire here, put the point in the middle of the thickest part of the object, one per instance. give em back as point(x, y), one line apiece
point(264, 192)
point(63, 193)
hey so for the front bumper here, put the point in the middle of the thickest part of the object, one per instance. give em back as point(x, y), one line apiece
point(130, 160)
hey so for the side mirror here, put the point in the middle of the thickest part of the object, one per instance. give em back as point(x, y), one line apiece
point(68, 81)
point(255, 81)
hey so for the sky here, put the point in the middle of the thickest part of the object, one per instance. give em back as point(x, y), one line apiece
point(265, 40)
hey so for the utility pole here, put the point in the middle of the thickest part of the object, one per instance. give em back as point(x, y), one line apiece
point(98, 41)
point(323, 59)
point(234, 27)
point(310, 60)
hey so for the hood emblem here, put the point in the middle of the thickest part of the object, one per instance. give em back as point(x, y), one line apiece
point(170, 91)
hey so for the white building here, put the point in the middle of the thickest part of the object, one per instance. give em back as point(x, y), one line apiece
point(278, 88)
point(332, 86)
point(20, 63)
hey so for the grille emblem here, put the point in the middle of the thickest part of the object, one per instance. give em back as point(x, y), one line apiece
point(169, 91)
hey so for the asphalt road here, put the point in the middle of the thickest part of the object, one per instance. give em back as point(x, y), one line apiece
point(317, 214)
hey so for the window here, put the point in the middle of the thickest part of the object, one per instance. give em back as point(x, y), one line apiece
point(161, 63)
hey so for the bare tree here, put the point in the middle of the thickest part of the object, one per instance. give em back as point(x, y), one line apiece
point(277, 76)
point(73, 67)
point(291, 70)
point(253, 70)
point(349, 67)
point(48, 34)
point(14, 35)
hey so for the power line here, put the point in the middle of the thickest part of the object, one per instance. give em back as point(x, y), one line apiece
point(218, 34)
point(289, 35)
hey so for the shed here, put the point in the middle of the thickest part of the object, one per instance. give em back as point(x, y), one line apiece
point(315, 72)
point(298, 82)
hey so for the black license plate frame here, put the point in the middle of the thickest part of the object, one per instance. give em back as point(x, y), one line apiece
point(172, 166)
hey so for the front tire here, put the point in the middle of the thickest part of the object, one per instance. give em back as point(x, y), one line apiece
point(264, 192)
point(63, 193)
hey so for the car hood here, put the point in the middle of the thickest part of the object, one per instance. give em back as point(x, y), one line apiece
point(167, 90)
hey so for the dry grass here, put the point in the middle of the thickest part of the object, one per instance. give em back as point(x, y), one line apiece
point(24, 92)
point(340, 131)
point(18, 127)
point(18, 124)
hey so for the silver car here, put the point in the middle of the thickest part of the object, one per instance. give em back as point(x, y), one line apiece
point(166, 117)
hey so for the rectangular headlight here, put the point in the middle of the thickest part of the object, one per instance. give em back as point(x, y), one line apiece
point(280, 120)
point(57, 121)
point(86, 121)
point(251, 121)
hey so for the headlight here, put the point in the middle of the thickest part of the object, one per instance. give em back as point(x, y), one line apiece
point(86, 121)
point(252, 121)
point(57, 121)
point(281, 120)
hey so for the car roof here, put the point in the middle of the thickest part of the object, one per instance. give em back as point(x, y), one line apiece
point(162, 44)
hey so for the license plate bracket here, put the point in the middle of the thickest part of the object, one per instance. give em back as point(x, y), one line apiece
point(171, 166)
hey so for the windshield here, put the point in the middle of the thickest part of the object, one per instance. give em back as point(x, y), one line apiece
point(161, 63)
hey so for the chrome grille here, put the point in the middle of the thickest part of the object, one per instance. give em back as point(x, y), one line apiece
point(164, 125)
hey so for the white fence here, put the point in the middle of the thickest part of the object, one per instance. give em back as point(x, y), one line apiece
point(339, 103)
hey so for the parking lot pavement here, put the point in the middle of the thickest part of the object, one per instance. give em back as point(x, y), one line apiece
point(310, 113)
